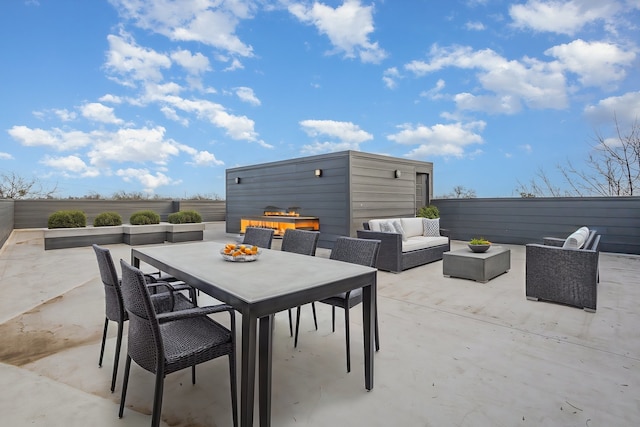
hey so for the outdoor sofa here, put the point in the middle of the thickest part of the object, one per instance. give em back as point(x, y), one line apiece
point(564, 270)
point(406, 242)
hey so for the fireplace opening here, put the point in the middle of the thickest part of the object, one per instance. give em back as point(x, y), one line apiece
point(281, 219)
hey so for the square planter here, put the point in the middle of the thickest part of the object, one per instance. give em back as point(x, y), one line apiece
point(185, 232)
point(143, 234)
point(62, 238)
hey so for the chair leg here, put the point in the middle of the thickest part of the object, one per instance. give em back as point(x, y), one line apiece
point(348, 338)
point(157, 400)
point(333, 318)
point(315, 319)
point(295, 340)
point(377, 337)
point(116, 357)
point(234, 388)
point(104, 340)
point(290, 323)
point(193, 375)
point(193, 296)
point(125, 383)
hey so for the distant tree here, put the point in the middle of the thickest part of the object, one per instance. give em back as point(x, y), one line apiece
point(14, 186)
point(612, 169)
point(460, 192)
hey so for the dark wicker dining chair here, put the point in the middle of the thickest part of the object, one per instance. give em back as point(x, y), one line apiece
point(260, 237)
point(114, 308)
point(168, 342)
point(355, 251)
point(300, 242)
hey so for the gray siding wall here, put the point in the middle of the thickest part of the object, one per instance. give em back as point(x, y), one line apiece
point(35, 213)
point(6, 219)
point(521, 221)
point(292, 183)
point(377, 193)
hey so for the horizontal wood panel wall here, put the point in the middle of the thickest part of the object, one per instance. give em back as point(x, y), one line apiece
point(377, 193)
point(6, 219)
point(35, 213)
point(528, 220)
point(292, 183)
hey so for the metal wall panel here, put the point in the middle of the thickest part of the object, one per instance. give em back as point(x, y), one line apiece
point(35, 213)
point(527, 220)
point(6, 219)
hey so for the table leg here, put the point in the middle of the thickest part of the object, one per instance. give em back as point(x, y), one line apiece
point(248, 369)
point(368, 323)
point(265, 355)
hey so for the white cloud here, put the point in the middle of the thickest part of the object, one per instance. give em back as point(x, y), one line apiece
point(132, 62)
point(5, 156)
point(194, 64)
point(205, 158)
point(349, 136)
point(71, 165)
point(532, 82)
point(112, 99)
point(439, 139)
point(212, 23)
point(149, 181)
point(246, 94)
point(435, 92)
point(390, 77)
point(563, 17)
point(100, 113)
point(65, 115)
point(597, 63)
point(626, 108)
point(474, 26)
point(347, 26)
point(55, 138)
point(132, 145)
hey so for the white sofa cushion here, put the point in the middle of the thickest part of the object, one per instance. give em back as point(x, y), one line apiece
point(374, 224)
point(412, 226)
point(431, 227)
point(421, 242)
point(577, 239)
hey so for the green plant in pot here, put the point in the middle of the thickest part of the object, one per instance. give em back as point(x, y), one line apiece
point(479, 244)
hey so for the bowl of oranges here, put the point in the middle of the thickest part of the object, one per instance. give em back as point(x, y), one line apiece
point(239, 253)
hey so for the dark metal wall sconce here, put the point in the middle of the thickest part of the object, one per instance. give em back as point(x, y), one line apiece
point(237, 180)
point(397, 173)
point(318, 173)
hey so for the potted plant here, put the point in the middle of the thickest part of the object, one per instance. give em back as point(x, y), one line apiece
point(479, 244)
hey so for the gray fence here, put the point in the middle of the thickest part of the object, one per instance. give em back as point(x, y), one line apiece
point(520, 221)
point(6, 219)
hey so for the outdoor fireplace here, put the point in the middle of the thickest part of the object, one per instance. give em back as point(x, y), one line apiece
point(280, 219)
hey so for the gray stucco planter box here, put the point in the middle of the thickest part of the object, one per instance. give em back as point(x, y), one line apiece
point(62, 238)
point(185, 232)
point(144, 234)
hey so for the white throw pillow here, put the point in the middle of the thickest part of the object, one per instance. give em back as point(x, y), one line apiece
point(387, 227)
point(431, 227)
point(399, 229)
point(577, 239)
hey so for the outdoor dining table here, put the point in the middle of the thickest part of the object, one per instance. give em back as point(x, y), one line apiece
point(259, 289)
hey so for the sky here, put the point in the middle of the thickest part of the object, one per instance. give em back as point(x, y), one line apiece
point(161, 96)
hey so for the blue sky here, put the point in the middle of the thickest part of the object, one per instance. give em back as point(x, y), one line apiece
point(162, 96)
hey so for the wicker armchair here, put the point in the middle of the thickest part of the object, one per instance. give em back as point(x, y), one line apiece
point(114, 307)
point(563, 275)
point(169, 342)
point(356, 251)
point(305, 243)
point(260, 237)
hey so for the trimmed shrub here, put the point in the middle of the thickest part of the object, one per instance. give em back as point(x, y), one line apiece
point(144, 217)
point(67, 219)
point(184, 217)
point(430, 212)
point(107, 218)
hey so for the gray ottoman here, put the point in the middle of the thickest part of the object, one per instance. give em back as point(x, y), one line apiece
point(480, 267)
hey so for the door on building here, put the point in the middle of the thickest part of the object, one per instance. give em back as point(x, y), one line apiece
point(422, 190)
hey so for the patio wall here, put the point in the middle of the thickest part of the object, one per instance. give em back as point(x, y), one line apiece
point(6, 219)
point(35, 213)
point(520, 221)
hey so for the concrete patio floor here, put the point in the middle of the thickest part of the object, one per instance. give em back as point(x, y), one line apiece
point(453, 352)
